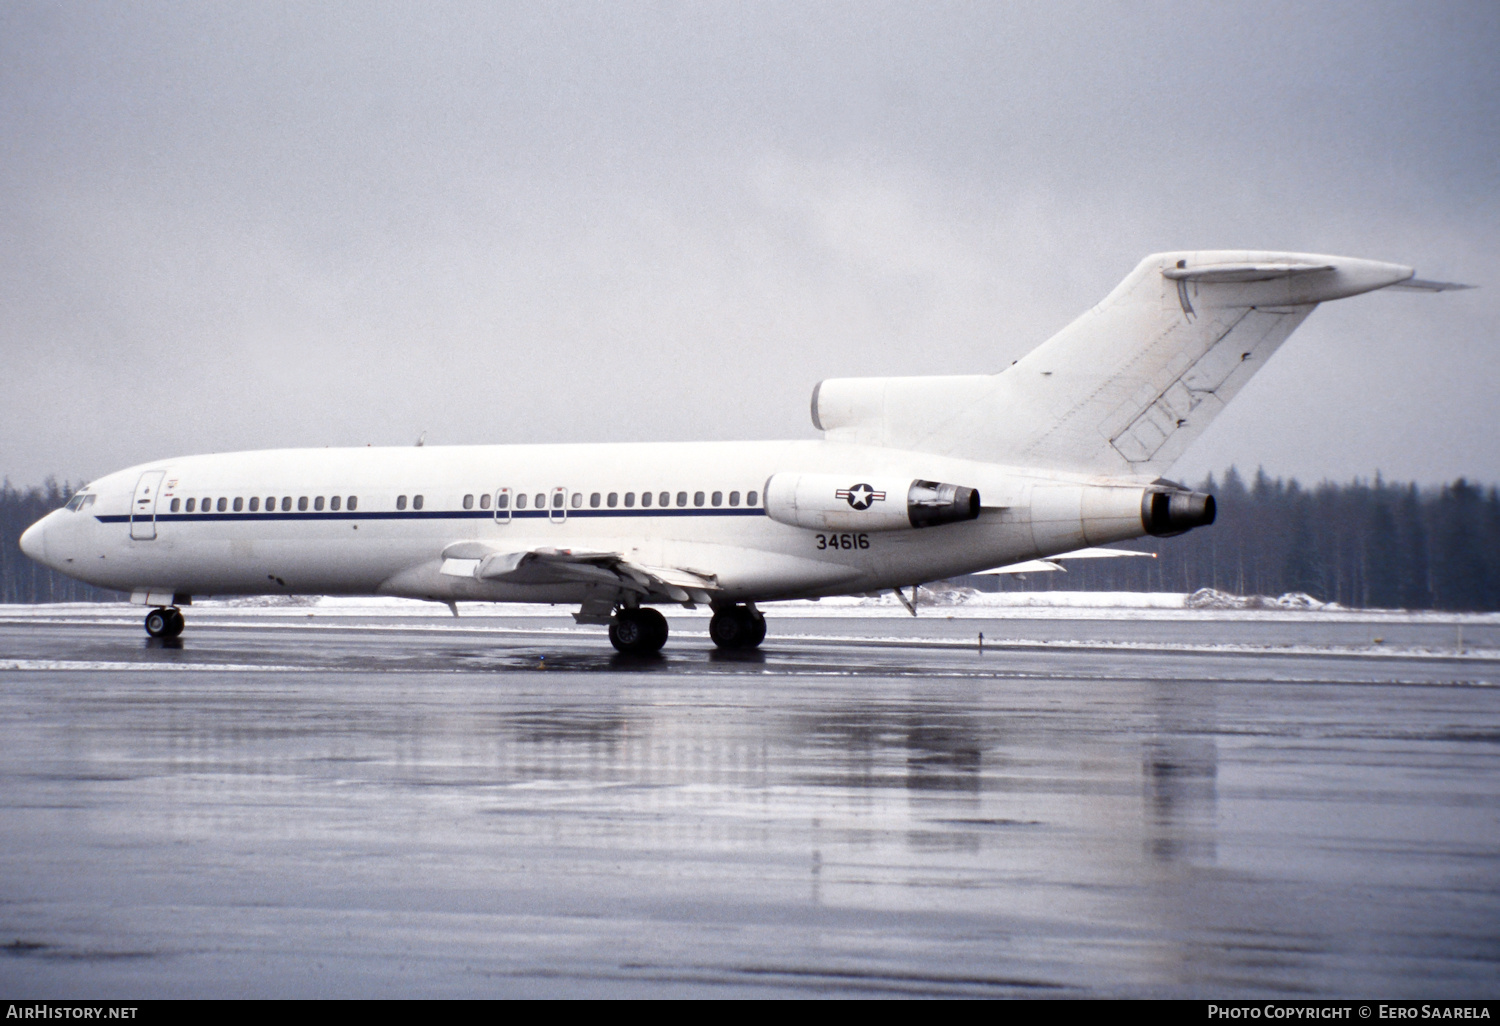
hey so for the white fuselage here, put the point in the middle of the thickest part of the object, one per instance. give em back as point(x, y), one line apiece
point(385, 545)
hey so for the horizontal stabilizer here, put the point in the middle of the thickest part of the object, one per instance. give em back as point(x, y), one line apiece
point(1037, 566)
point(1422, 285)
point(1226, 273)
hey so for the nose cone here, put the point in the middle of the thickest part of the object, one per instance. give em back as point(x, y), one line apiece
point(34, 541)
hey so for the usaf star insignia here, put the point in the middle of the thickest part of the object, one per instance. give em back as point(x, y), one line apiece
point(860, 496)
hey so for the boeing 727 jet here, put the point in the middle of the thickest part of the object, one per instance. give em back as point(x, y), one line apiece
point(915, 479)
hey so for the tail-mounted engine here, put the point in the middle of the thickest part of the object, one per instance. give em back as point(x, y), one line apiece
point(853, 503)
point(1167, 510)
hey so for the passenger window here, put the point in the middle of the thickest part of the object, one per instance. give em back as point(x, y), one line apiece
point(750, 499)
point(697, 498)
point(333, 503)
point(192, 504)
point(594, 501)
point(502, 501)
point(73, 504)
point(318, 504)
point(468, 501)
point(520, 500)
point(541, 500)
point(301, 503)
point(255, 503)
point(629, 500)
point(484, 501)
point(207, 505)
point(612, 500)
point(270, 503)
point(400, 502)
point(645, 498)
point(416, 502)
point(665, 498)
point(223, 505)
point(286, 504)
point(578, 499)
point(718, 498)
point(682, 498)
point(239, 503)
point(353, 502)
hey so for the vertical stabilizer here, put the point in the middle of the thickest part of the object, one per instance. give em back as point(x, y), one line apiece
point(1125, 388)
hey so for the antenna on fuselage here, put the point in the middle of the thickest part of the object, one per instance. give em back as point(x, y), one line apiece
point(421, 439)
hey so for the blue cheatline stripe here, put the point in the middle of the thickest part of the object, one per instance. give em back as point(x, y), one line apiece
point(425, 514)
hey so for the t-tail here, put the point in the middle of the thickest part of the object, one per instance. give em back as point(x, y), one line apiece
point(1123, 390)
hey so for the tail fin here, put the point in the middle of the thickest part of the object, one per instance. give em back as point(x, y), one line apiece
point(1125, 388)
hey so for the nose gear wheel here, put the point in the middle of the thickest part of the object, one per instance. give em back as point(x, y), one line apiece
point(166, 622)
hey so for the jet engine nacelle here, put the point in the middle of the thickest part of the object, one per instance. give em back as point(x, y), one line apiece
point(1171, 510)
point(855, 503)
point(1065, 517)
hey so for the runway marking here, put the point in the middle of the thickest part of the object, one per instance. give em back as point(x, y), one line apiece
point(120, 666)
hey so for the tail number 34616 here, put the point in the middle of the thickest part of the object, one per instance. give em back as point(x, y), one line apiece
point(842, 541)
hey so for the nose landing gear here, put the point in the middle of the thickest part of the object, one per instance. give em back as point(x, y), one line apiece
point(167, 622)
point(737, 627)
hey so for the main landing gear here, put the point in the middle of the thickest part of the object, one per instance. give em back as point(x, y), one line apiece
point(737, 627)
point(643, 631)
point(640, 631)
point(165, 623)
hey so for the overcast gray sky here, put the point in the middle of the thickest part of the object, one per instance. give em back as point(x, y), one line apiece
point(242, 226)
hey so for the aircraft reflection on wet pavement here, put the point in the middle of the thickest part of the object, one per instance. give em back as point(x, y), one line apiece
point(382, 809)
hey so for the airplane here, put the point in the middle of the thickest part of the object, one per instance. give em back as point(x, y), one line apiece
point(915, 479)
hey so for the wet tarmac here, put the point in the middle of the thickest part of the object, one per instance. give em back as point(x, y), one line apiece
point(373, 806)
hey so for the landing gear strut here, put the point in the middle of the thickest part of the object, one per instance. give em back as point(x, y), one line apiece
point(737, 627)
point(165, 623)
point(640, 631)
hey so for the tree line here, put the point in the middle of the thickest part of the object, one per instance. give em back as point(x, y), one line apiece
point(1370, 544)
point(22, 579)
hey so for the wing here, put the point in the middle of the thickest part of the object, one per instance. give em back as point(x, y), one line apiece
point(578, 566)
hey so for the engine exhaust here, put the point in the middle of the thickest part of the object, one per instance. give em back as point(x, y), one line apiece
point(1167, 512)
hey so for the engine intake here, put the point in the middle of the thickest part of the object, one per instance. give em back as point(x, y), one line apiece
point(851, 503)
point(1166, 512)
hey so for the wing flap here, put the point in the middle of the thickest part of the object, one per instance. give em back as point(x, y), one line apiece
point(483, 562)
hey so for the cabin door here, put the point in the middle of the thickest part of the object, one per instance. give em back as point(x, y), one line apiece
point(558, 511)
point(502, 505)
point(143, 506)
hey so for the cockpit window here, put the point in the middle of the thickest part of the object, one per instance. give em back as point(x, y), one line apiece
point(80, 501)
